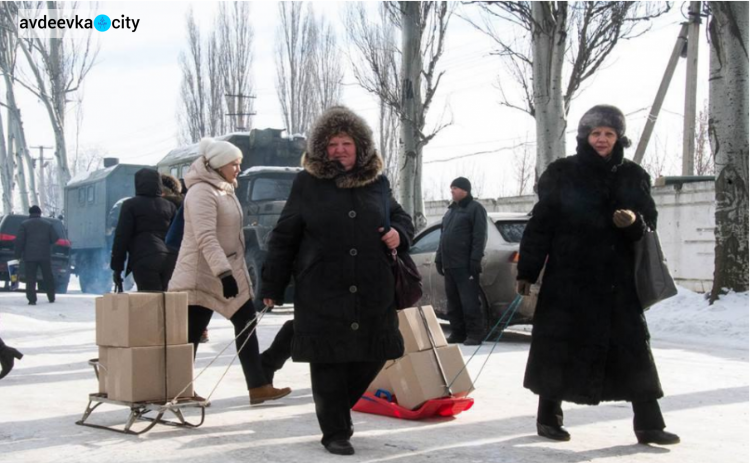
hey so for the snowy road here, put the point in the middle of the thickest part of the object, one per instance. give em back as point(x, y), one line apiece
point(703, 368)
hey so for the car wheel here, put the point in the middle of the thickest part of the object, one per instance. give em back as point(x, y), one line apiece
point(61, 286)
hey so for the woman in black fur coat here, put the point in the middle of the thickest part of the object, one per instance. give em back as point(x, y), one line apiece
point(330, 237)
point(590, 341)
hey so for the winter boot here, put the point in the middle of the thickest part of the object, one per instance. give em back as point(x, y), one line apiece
point(657, 436)
point(258, 395)
point(7, 356)
point(340, 447)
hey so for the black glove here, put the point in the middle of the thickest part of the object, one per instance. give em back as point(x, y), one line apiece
point(439, 268)
point(230, 287)
point(475, 267)
point(117, 279)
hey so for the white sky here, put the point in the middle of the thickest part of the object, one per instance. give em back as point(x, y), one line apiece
point(131, 96)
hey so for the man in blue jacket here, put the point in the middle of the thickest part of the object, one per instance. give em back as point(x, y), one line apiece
point(459, 260)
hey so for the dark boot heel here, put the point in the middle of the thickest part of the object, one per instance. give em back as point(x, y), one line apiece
point(15, 353)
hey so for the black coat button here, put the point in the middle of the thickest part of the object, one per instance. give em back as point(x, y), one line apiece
point(355, 326)
point(352, 214)
point(352, 252)
point(352, 289)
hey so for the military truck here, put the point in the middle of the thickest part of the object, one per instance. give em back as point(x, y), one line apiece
point(262, 192)
point(89, 201)
point(259, 148)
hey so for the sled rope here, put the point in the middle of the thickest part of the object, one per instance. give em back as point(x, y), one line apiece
point(252, 323)
point(505, 319)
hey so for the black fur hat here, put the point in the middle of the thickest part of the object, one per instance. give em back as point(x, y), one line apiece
point(334, 121)
point(604, 116)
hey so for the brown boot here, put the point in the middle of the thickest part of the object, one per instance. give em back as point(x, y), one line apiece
point(258, 395)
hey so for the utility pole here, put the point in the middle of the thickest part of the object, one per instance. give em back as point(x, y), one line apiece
point(237, 110)
point(40, 164)
point(691, 89)
point(679, 46)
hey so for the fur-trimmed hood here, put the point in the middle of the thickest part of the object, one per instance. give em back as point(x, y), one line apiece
point(332, 122)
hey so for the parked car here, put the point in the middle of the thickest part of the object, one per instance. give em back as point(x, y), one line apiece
point(498, 278)
point(9, 226)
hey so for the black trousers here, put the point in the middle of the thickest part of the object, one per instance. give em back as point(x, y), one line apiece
point(154, 272)
point(198, 319)
point(279, 351)
point(49, 279)
point(646, 414)
point(336, 389)
point(464, 311)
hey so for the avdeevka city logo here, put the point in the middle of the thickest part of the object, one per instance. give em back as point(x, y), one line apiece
point(102, 23)
point(56, 23)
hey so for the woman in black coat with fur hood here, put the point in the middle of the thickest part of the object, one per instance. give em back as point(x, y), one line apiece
point(330, 237)
point(590, 341)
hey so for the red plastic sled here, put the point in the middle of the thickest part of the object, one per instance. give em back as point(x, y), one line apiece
point(377, 405)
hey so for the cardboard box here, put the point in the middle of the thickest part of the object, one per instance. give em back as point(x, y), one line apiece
point(415, 378)
point(382, 381)
point(413, 330)
point(137, 319)
point(136, 374)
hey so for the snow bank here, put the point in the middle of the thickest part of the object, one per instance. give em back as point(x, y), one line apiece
point(687, 317)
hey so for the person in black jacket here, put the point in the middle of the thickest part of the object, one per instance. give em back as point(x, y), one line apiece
point(459, 260)
point(34, 246)
point(590, 341)
point(139, 237)
point(330, 237)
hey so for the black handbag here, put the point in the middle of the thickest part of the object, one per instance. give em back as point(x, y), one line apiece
point(653, 281)
point(405, 273)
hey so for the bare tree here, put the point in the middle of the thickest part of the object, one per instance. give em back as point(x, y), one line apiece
point(58, 66)
point(217, 87)
point(523, 168)
point(236, 37)
point(657, 161)
point(376, 66)
point(295, 65)
point(423, 27)
point(586, 32)
point(704, 162)
point(8, 47)
point(728, 122)
point(328, 73)
point(194, 116)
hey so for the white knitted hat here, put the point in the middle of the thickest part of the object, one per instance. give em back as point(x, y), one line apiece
point(218, 153)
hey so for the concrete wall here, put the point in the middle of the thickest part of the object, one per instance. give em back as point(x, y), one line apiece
point(686, 227)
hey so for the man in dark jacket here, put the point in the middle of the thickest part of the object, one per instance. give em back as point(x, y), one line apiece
point(139, 237)
point(459, 260)
point(34, 246)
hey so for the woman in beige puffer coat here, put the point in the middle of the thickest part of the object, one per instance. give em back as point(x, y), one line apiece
point(211, 264)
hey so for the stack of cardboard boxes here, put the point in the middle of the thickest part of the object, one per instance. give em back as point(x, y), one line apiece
point(131, 332)
point(416, 377)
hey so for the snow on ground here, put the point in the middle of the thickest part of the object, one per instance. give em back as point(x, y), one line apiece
point(688, 317)
point(702, 354)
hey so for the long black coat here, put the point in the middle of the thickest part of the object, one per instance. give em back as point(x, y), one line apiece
point(327, 238)
point(35, 239)
point(143, 224)
point(590, 340)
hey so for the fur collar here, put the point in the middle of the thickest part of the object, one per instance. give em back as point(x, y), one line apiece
point(315, 161)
